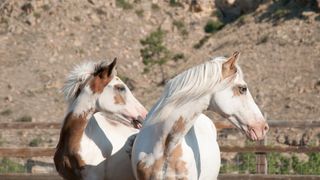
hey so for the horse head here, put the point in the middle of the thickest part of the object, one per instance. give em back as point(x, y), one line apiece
point(108, 92)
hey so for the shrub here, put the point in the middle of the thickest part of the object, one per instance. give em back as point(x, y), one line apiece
point(263, 39)
point(280, 12)
point(124, 4)
point(175, 3)
point(9, 166)
point(178, 56)
point(247, 163)
point(155, 7)
point(35, 142)
point(213, 26)
point(154, 51)
point(181, 27)
point(6, 112)
point(201, 42)
point(139, 12)
point(25, 118)
point(277, 164)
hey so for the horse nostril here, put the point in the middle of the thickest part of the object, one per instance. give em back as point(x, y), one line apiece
point(266, 127)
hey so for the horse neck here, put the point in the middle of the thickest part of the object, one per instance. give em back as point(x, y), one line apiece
point(83, 103)
point(80, 111)
point(178, 123)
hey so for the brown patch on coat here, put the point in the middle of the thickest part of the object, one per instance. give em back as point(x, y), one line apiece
point(118, 99)
point(66, 158)
point(178, 127)
point(102, 76)
point(236, 91)
point(146, 173)
point(175, 166)
point(172, 157)
point(98, 83)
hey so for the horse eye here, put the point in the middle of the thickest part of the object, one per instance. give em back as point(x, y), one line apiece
point(242, 89)
point(120, 88)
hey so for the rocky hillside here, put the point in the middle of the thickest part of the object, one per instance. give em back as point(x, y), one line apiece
point(41, 40)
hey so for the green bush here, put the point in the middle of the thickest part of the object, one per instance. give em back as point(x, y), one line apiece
point(228, 167)
point(9, 166)
point(241, 20)
point(280, 12)
point(1, 140)
point(139, 12)
point(155, 7)
point(175, 3)
point(312, 166)
point(124, 4)
point(213, 26)
point(277, 164)
point(263, 39)
point(181, 27)
point(178, 24)
point(6, 112)
point(35, 142)
point(25, 118)
point(178, 56)
point(154, 51)
point(217, 13)
point(247, 163)
point(201, 42)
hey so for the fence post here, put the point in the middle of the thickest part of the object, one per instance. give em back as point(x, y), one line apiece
point(261, 157)
point(261, 160)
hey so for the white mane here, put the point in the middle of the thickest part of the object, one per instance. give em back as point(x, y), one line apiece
point(79, 75)
point(192, 84)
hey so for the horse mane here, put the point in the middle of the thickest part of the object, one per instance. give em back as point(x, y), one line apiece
point(194, 83)
point(78, 77)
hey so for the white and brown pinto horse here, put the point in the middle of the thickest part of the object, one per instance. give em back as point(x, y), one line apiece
point(175, 140)
point(102, 115)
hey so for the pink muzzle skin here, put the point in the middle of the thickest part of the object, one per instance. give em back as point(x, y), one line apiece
point(257, 131)
point(138, 120)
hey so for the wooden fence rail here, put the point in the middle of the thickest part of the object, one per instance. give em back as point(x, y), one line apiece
point(29, 125)
point(45, 152)
point(28, 176)
point(218, 124)
point(260, 149)
point(267, 149)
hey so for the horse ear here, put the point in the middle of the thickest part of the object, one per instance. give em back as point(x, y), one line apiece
point(229, 67)
point(112, 66)
point(105, 71)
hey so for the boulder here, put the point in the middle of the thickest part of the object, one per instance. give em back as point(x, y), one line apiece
point(232, 9)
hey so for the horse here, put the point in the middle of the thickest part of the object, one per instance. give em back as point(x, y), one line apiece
point(102, 116)
point(173, 144)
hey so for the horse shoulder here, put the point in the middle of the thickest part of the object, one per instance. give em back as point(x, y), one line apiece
point(67, 164)
point(67, 159)
point(206, 134)
point(206, 125)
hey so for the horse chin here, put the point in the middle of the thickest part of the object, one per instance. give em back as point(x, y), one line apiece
point(136, 122)
point(237, 123)
point(245, 129)
point(252, 134)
